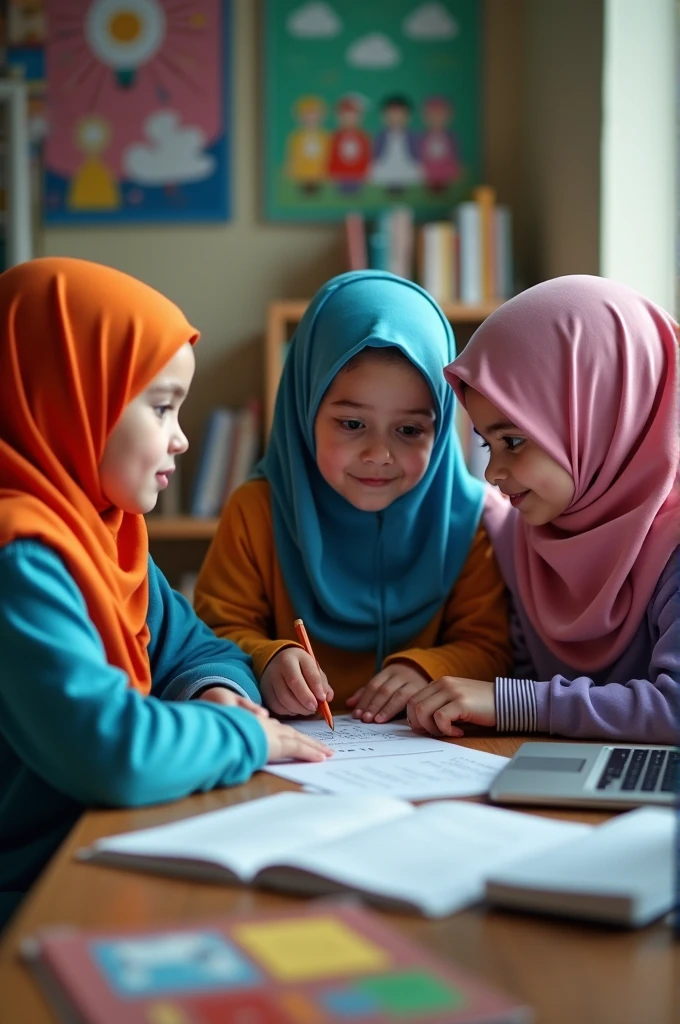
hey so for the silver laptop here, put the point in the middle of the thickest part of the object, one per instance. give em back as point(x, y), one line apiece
point(615, 775)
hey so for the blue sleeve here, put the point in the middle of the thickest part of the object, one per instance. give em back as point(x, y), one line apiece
point(72, 718)
point(185, 655)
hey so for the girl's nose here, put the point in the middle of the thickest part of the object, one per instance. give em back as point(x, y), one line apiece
point(495, 471)
point(378, 452)
point(179, 443)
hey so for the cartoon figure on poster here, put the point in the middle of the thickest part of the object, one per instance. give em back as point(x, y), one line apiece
point(350, 155)
point(308, 145)
point(439, 150)
point(396, 165)
point(93, 186)
point(136, 111)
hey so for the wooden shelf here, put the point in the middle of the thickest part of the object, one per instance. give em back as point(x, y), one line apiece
point(180, 527)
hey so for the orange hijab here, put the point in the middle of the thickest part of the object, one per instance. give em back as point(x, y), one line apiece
point(79, 341)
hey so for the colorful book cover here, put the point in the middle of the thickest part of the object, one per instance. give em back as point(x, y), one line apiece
point(324, 963)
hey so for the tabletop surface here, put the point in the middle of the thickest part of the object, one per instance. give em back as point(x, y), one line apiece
point(569, 972)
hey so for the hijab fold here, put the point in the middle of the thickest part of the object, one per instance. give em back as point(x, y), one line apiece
point(364, 580)
point(588, 369)
point(79, 341)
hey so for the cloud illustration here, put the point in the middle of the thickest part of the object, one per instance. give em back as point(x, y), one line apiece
point(173, 154)
point(430, 22)
point(373, 52)
point(313, 21)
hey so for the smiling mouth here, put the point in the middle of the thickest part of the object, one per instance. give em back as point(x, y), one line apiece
point(374, 481)
point(517, 498)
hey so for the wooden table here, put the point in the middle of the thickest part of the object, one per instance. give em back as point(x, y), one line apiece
point(570, 973)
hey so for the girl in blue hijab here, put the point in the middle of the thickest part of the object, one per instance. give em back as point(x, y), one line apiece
point(362, 518)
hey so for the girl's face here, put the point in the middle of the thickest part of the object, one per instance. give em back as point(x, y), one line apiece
point(537, 485)
point(140, 452)
point(374, 431)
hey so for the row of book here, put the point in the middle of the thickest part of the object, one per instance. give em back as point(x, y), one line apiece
point(466, 258)
point(230, 448)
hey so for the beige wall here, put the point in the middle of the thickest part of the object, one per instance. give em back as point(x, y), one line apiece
point(224, 275)
point(563, 112)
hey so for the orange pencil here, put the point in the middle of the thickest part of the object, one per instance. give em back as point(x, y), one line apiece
point(304, 640)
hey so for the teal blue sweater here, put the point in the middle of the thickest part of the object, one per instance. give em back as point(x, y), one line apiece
point(74, 734)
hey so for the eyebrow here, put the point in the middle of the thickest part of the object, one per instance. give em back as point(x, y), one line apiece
point(501, 425)
point(403, 412)
point(173, 389)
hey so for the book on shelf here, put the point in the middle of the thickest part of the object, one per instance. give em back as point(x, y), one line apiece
point(355, 240)
point(320, 845)
point(437, 263)
point(228, 454)
point(325, 962)
point(469, 257)
point(620, 873)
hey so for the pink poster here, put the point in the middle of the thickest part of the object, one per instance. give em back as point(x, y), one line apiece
point(137, 111)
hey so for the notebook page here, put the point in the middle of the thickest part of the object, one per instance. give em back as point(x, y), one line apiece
point(352, 738)
point(437, 859)
point(245, 838)
point(444, 769)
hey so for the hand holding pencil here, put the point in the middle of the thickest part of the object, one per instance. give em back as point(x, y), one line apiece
point(293, 683)
point(304, 640)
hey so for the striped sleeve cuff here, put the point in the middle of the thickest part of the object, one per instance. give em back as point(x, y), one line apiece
point(515, 705)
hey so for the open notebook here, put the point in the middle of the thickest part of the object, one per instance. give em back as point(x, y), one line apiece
point(433, 859)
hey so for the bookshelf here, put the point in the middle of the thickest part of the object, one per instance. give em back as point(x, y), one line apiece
point(286, 314)
point(180, 527)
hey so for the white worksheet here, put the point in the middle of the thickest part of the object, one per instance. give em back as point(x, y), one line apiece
point(354, 739)
point(384, 759)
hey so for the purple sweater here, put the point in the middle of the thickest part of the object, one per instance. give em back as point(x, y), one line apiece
point(636, 699)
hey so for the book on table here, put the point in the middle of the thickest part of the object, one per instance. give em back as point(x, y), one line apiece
point(323, 963)
point(432, 859)
point(622, 872)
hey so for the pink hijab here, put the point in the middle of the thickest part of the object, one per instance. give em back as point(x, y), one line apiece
point(589, 370)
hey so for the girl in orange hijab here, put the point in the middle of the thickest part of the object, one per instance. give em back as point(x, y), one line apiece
point(111, 690)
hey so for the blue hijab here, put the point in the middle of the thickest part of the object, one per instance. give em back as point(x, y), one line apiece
point(367, 580)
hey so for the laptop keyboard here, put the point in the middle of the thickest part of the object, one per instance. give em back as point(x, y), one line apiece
point(641, 770)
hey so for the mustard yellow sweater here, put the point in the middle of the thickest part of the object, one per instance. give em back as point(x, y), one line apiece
point(241, 595)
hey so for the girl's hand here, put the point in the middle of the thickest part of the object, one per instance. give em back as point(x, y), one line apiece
point(388, 692)
point(227, 697)
point(292, 683)
point(284, 741)
point(452, 699)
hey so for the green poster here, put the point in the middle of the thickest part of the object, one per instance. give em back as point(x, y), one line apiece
point(368, 103)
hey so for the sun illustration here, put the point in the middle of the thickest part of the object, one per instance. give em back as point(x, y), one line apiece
point(126, 36)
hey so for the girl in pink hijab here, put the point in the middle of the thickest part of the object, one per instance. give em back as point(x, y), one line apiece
point(573, 387)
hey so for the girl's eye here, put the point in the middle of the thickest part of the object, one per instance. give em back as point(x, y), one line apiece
point(484, 444)
point(411, 431)
point(351, 424)
point(513, 443)
point(161, 410)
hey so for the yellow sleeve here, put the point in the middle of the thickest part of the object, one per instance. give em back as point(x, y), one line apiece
point(234, 589)
point(475, 635)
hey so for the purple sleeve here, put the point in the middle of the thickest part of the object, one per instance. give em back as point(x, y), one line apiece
point(638, 710)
